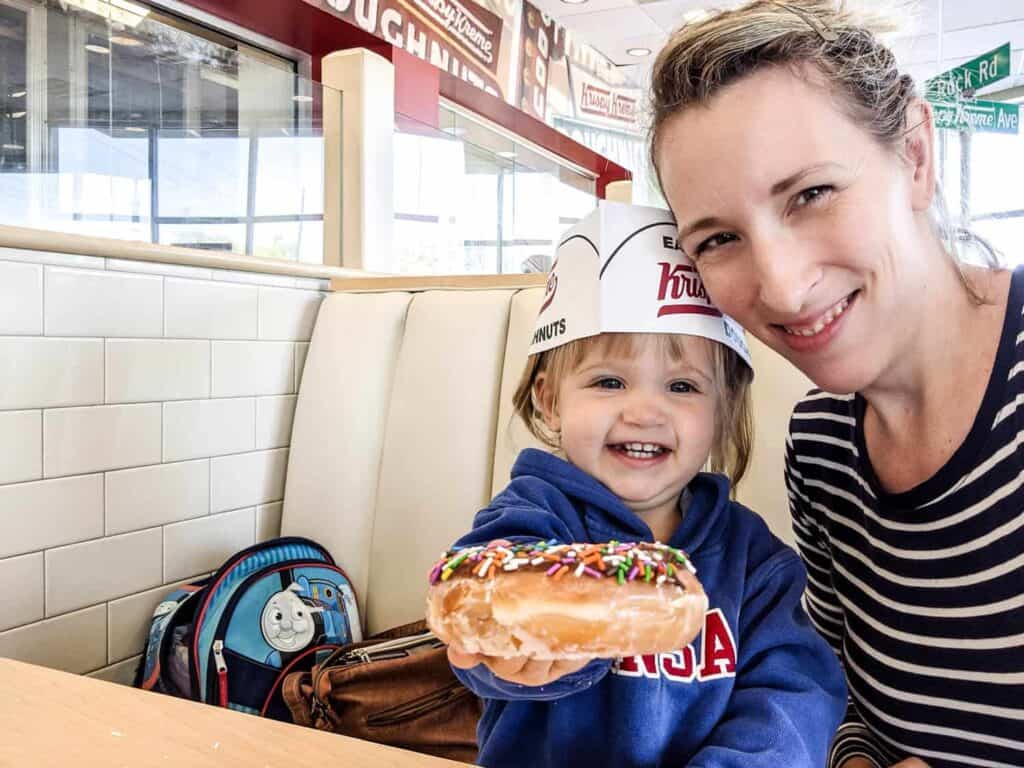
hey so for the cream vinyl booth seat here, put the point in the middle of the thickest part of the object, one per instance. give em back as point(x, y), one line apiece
point(403, 426)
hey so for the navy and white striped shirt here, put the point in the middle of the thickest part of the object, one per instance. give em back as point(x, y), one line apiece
point(921, 593)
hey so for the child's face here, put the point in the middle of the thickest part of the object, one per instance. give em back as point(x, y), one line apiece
point(643, 425)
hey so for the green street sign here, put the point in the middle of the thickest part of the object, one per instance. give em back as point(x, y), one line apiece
point(969, 77)
point(983, 116)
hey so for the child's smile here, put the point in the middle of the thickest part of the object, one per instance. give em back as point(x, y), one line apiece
point(639, 421)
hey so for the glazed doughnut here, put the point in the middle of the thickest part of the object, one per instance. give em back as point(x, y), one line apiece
point(547, 600)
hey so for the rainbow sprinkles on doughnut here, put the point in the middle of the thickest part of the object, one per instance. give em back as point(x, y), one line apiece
point(548, 600)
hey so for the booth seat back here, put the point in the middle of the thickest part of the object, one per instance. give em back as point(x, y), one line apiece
point(402, 431)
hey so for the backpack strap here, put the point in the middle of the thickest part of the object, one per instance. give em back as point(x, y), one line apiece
point(149, 675)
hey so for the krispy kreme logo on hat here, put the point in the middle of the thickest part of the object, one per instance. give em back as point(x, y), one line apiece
point(620, 270)
point(681, 281)
point(550, 288)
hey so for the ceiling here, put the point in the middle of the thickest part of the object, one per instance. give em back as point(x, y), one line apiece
point(970, 27)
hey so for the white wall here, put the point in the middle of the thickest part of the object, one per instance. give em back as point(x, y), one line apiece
point(145, 417)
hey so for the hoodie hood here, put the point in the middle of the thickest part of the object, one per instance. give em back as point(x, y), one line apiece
point(607, 517)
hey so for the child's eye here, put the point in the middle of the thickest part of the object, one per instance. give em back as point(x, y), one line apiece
point(609, 382)
point(814, 195)
point(682, 387)
point(715, 241)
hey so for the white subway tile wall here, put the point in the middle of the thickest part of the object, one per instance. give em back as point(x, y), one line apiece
point(274, 417)
point(21, 446)
point(25, 604)
point(247, 479)
point(93, 302)
point(242, 368)
point(23, 311)
point(146, 371)
point(204, 543)
point(123, 672)
point(268, 521)
point(47, 373)
point(145, 417)
point(202, 309)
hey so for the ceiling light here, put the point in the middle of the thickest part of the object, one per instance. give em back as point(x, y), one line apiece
point(691, 17)
point(302, 99)
point(13, 146)
point(507, 153)
point(135, 129)
point(16, 115)
point(17, 94)
point(574, 2)
point(638, 52)
point(96, 48)
point(126, 41)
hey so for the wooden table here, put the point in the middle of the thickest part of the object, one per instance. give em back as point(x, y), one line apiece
point(51, 718)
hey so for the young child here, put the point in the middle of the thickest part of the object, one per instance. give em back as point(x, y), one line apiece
point(639, 382)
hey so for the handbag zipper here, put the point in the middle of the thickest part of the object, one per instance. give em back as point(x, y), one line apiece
point(417, 707)
point(388, 649)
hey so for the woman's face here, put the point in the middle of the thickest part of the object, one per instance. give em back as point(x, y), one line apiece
point(803, 226)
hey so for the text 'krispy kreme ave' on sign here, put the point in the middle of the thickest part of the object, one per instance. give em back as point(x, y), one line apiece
point(457, 36)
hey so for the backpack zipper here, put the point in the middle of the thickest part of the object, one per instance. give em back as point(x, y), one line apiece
point(253, 577)
point(222, 672)
point(215, 580)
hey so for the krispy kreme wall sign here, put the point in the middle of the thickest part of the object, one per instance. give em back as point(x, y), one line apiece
point(602, 104)
point(479, 36)
point(508, 48)
point(458, 36)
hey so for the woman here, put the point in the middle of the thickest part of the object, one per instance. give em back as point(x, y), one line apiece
point(800, 164)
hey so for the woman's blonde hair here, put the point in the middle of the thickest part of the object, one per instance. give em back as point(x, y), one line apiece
point(702, 58)
point(734, 425)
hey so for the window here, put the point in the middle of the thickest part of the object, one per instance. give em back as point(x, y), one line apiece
point(122, 121)
point(469, 199)
point(982, 173)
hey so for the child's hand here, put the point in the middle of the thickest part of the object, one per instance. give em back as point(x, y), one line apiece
point(520, 669)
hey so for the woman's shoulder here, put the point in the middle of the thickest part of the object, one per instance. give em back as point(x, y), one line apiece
point(818, 400)
point(823, 413)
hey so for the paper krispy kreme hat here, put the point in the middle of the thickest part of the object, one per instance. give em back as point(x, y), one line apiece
point(619, 271)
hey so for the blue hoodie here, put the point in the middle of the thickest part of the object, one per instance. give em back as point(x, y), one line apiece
point(757, 687)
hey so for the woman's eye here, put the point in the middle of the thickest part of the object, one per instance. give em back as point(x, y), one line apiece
point(682, 387)
point(814, 195)
point(715, 241)
point(609, 383)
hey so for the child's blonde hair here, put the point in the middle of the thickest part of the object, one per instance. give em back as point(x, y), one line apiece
point(734, 426)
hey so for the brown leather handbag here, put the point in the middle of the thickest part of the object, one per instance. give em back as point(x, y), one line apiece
point(396, 688)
